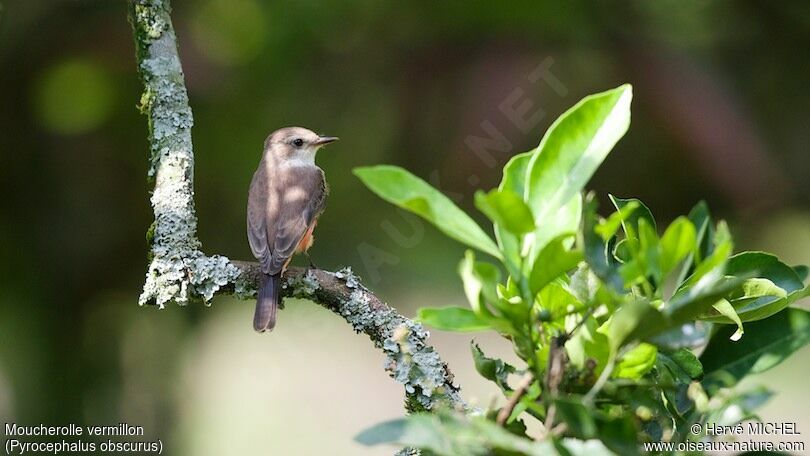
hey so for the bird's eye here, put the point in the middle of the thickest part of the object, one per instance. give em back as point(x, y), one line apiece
point(298, 142)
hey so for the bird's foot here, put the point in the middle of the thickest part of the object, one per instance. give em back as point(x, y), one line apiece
point(311, 263)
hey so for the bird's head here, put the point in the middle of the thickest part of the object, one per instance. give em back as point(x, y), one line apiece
point(295, 144)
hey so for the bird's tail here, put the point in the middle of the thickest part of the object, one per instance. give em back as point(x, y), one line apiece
point(267, 303)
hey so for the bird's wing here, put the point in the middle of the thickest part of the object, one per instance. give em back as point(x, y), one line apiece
point(258, 204)
point(301, 198)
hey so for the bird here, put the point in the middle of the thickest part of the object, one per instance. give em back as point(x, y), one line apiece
point(287, 195)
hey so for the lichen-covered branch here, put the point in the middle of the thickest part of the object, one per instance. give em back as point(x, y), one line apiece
point(179, 271)
point(410, 360)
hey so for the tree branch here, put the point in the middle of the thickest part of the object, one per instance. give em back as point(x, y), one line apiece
point(179, 271)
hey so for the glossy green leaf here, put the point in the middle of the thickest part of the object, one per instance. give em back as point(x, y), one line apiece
point(633, 319)
point(766, 266)
point(688, 362)
point(566, 220)
point(746, 311)
point(573, 147)
point(617, 433)
point(569, 153)
point(457, 319)
point(580, 420)
point(676, 244)
point(597, 254)
point(553, 261)
point(480, 280)
point(639, 320)
point(556, 300)
point(588, 343)
point(514, 173)
point(704, 231)
point(765, 344)
point(400, 187)
point(649, 249)
point(776, 287)
point(630, 223)
point(448, 434)
point(495, 370)
point(710, 269)
point(637, 362)
point(701, 220)
point(608, 228)
point(514, 180)
point(698, 299)
point(725, 309)
point(507, 209)
point(801, 271)
point(757, 288)
point(688, 335)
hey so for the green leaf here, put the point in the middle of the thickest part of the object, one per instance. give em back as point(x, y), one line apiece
point(756, 288)
point(597, 254)
point(801, 271)
point(642, 212)
point(702, 221)
point(495, 370)
point(649, 250)
point(617, 433)
point(514, 173)
point(775, 287)
point(553, 261)
point(399, 187)
point(579, 419)
point(676, 244)
point(588, 343)
point(766, 343)
point(766, 266)
point(479, 279)
point(698, 299)
point(634, 319)
point(418, 429)
point(724, 308)
point(688, 362)
point(507, 209)
point(710, 269)
point(448, 434)
point(456, 319)
point(704, 240)
point(514, 179)
point(637, 362)
point(607, 229)
point(573, 148)
point(566, 220)
point(689, 335)
point(556, 299)
point(746, 311)
point(639, 320)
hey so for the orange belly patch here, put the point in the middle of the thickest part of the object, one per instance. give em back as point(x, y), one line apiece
point(306, 241)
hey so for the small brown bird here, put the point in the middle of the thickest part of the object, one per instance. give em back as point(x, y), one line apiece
point(287, 194)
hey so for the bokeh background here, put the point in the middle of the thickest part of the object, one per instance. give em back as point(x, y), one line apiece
point(721, 112)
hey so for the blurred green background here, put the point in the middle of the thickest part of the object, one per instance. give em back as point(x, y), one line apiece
point(721, 112)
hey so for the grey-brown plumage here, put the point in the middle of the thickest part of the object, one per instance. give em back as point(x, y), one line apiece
point(287, 194)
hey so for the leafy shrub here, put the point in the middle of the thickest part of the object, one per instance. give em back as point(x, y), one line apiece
point(626, 335)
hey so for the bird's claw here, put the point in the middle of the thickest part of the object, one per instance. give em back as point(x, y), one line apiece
point(311, 263)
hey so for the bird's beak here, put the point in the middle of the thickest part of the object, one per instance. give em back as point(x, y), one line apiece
point(324, 140)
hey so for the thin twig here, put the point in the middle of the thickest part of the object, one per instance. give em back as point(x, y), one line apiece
point(525, 382)
point(580, 322)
